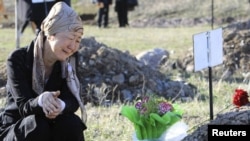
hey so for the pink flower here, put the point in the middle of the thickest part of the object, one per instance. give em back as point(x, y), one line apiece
point(153, 104)
point(145, 99)
point(138, 105)
point(164, 107)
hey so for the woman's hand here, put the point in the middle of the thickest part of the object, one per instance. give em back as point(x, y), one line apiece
point(51, 104)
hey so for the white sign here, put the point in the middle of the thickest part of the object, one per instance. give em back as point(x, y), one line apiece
point(208, 51)
point(216, 47)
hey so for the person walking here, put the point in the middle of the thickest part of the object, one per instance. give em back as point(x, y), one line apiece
point(43, 90)
point(121, 8)
point(103, 13)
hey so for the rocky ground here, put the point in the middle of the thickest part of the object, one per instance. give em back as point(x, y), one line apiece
point(115, 75)
point(109, 75)
point(236, 116)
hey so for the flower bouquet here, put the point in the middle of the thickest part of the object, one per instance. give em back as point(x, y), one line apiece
point(152, 118)
point(240, 98)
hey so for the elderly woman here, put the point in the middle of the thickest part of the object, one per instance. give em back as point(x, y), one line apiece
point(42, 87)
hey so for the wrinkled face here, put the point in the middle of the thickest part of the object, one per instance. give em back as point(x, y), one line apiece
point(64, 44)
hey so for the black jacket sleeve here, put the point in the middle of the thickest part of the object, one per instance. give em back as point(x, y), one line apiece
point(19, 85)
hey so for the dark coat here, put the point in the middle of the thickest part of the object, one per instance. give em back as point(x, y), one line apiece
point(22, 100)
point(106, 2)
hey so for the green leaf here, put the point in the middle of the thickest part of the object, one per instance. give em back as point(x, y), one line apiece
point(131, 113)
point(161, 128)
point(171, 118)
point(148, 127)
point(154, 131)
point(138, 131)
point(177, 109)
point(160, 119)
point(154, 125)
point(144, 132)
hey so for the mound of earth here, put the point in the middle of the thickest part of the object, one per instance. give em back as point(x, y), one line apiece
point(237, 116)
point(236, 55)
point(108, 75)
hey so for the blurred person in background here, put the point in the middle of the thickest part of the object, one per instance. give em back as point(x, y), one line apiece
point(35, 11)
point(103, 13)
point(121, 8)
point(43, 90)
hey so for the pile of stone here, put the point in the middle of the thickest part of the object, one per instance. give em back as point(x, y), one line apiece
point(236, 55)
point(109, 75)
point(236, 116)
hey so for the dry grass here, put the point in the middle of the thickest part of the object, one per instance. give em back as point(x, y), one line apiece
point(134, 40)
point(105, 123)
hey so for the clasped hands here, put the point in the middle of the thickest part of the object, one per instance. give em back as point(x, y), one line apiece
point(51, 104)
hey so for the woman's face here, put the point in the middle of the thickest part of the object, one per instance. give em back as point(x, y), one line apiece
point(64, 44)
